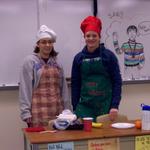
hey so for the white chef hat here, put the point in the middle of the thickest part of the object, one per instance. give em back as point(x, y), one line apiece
point(45, 32)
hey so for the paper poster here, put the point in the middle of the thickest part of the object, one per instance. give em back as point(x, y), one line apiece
point(61, 146)
point(142, 142)
point(104, 144)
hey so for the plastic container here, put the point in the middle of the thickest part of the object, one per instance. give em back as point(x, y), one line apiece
point(87, 122)
point(145, 117)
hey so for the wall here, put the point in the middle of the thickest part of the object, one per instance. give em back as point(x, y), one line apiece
point(11, 136)
point(10, 124)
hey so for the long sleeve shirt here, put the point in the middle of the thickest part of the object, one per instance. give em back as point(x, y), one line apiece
point(110, 62)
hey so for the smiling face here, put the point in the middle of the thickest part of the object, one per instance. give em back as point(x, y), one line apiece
point(45, 45)
point(92, 40)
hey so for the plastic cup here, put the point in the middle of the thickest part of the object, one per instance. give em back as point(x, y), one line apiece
point(87, 122)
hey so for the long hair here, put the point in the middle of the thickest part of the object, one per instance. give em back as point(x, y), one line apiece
point(53, 53)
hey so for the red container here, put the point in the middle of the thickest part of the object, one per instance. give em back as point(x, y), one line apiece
point(87, 121)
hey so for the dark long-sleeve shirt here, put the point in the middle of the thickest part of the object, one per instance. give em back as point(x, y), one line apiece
point(109, 61)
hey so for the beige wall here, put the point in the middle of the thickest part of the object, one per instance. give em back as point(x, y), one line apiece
point(132, 97)
point(10, 124)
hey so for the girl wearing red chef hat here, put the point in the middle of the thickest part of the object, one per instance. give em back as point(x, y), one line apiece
point(96, 79)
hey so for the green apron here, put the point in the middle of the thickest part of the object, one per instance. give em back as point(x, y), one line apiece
point(96, 89)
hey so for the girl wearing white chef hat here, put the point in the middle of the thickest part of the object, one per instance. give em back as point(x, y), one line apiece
point(43, 90)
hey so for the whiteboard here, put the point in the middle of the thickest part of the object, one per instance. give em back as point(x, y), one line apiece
point(20, 20)
point(17, 31)
point(64, 17)
point(117, 16)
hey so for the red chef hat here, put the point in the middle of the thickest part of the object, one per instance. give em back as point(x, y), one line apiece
point(91, 23)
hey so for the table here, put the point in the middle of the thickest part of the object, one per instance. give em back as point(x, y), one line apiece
point(80, 138)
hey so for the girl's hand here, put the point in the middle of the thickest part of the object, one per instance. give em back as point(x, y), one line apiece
point(113, 113)
point(29, 122)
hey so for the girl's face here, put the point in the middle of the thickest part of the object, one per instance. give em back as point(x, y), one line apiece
point(92, 40)
point(45, 45)
point(132, 34)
